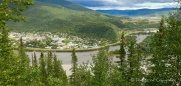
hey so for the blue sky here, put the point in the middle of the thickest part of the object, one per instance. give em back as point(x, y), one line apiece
point(126, 4)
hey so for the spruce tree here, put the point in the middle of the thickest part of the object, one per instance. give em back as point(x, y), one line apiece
point(8, 60)
point(43, 72)
point(122, 49)
point(22, 54)
point(166, 61)
point(73, 77)
point(101, 69)
point(23, 65)
point(59, 72)
point(133, 74)
point(122, 64)
point(84, 73)
point(50, 64)
point(34, 73)
point(158, 59)
point(35, 64)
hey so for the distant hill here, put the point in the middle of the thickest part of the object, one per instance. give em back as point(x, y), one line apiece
point(139, 12)
point(66, 4)
point(56, 18)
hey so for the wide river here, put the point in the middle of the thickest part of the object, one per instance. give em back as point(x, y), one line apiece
point(83, 56)
point(65, 57)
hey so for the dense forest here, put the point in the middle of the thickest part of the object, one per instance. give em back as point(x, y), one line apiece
point(159, 67)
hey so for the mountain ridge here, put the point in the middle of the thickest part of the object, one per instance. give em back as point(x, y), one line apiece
point(139, 12)
point(66, 4)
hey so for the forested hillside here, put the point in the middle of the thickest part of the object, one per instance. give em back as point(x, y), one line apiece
point(66, 4)
point(56, 18)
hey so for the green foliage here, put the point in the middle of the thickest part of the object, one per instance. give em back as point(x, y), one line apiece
point(85, 75)
point(122, 50)
point(12, 10)
point(117, 22)
point(34, 61)
point(134, 73)
point(166, 59)
point(58, 71)
point(43, 72)
point(73, 78)
point(146, 45)
point(140, 25)
point(13, 70)
point(67, 4)
point(36, 44)
point(66, 41)
point(102, 68)
point(50, 64)
point(98, 30)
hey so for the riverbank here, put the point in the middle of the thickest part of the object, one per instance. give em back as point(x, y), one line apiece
point(70, 50)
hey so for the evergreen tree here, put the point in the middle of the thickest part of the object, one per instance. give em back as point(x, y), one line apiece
point(35, 60)
point(116, 77)
point(32, 59)
point(59, 73)
point(133, 73)
point(165, 69)
point(50, 64)
point(34, 73)
point(8, 60)
point(73, 77)
point(101, 68)
point(84, 75)
point(122, 64)
point(22, 54)
point(122, 50)
point(43, 72)
point(173, 45)
point(23, 65)
point(158, 59)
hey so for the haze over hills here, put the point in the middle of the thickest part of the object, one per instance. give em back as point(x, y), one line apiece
point(134, 8)
point(139, 12)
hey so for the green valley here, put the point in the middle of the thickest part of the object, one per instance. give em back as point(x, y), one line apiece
point(44, 17)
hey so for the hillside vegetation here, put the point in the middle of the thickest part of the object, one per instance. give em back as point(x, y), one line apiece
point(87, 24)
point(55, 18)
point(66, 4)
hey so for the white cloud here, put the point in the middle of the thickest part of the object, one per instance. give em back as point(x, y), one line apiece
point(147, 5)
point(130, 4)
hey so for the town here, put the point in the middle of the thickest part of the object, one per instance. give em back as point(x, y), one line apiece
point(48, 40)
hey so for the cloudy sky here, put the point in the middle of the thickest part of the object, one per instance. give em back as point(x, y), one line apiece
point(126, 4)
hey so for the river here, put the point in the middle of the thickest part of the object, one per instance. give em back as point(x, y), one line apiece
point(83, 56)
point(65, 57)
